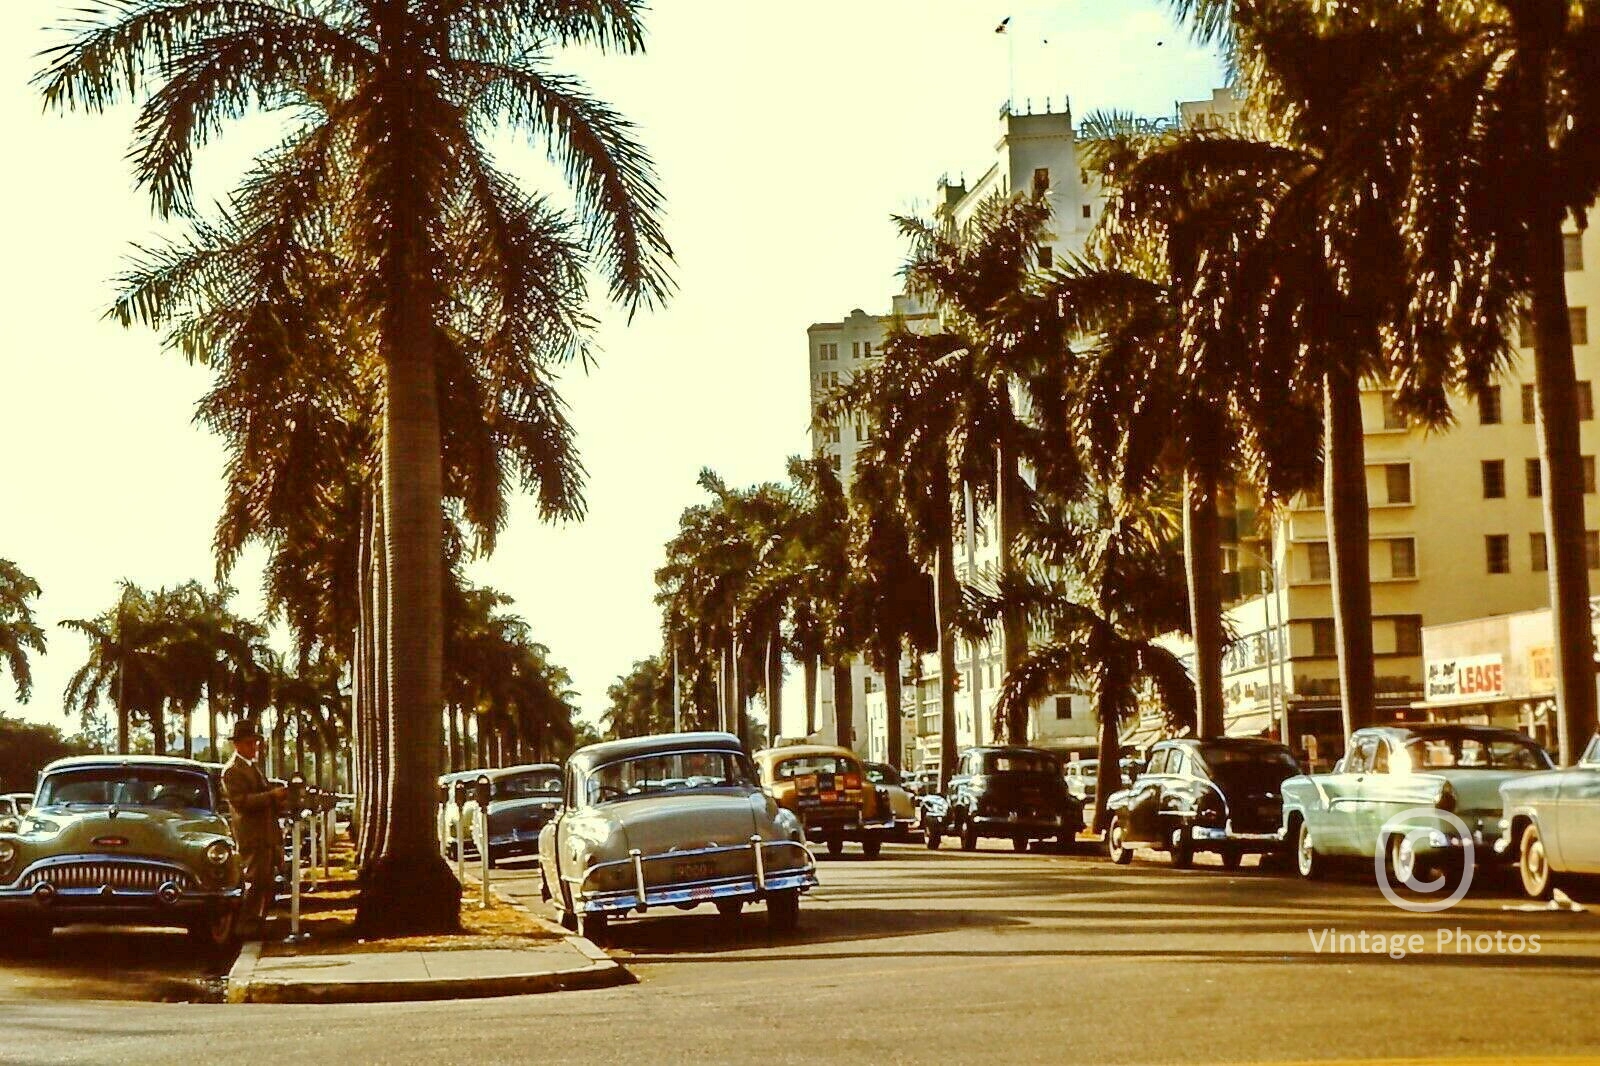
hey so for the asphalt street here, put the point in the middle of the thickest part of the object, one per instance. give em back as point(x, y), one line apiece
point(942, 957)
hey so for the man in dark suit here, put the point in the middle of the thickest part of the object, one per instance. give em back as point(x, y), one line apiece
point(256, 804)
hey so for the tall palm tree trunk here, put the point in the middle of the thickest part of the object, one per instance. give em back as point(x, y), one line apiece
point(452, 713)
point(844, 706)
point(215, 746)
point(1345, 491)
point(1108, 774)
point(188, 732)
point(158, 727)
point(122, 728)
point(1202, 556)
point(774, 686)
point(1013, 623)
point(811, 670)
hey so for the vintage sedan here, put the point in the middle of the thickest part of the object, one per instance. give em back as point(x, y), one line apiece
point(12, 807)
point(670, 821)
point(1220, 795)
point(122, 839)
point(902, 804)
point(828, 789)
point(521, 800)
point(1014, 793)
point(1551, 823)
point(1436, 769)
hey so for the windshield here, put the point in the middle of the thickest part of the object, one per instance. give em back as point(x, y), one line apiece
point(127, 786)
point(677, 772)
point(879, 774)
point(535, 784)
point(1475, 753)
point(1019, 762)
point(814, 764)
point(1227, 764)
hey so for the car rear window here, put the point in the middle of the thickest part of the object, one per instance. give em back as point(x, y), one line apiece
point(814, 764)
point(1019, 762)
point(529, 785)
point(1475, 753)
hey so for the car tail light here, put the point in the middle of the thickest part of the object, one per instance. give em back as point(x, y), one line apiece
point(851, 781)
point(1447, 798)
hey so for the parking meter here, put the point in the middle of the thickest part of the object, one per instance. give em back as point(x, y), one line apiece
point(481, 789)
point(297, 796)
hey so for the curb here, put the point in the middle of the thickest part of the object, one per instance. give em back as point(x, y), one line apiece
point(602, 971)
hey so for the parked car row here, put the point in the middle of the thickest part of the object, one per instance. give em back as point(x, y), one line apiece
point(1416, 798)
point(522, 800)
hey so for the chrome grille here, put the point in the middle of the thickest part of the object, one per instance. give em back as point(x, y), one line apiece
point(122, 877)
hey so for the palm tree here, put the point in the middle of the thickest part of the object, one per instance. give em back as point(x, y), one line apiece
point(127, 662)
point(976, 276)
point(1108, 580)
point(414, 87)
point(640, 701)
point(19, 633)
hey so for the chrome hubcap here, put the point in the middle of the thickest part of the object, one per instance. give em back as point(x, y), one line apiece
point(1304, 852)
point(1535, 863)
point(1405, 858)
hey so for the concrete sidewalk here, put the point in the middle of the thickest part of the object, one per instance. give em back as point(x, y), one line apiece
point(388, 976)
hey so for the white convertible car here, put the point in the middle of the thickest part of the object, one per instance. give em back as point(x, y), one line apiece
point(670, 821)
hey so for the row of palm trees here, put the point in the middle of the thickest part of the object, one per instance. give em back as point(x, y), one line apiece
point(382, 306)
point(1242, 287)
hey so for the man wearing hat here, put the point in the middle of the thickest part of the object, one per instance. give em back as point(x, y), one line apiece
point(256, 804)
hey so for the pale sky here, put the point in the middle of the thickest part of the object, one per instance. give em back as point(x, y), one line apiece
point(785, 135)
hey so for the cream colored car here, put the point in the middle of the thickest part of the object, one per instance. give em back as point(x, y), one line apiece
point(902, 804)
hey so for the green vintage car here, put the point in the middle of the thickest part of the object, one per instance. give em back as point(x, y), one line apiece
point(1431, 770)
point(122, 839)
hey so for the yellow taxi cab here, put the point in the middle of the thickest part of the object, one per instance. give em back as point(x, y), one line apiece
point(827, 788)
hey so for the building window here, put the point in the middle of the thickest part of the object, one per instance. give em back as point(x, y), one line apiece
point(1408, 636)
point(1489, 406)
point(837, 462)
point(866, 350)
point(1397, 479)
point(1539, 552)
point(1494, 479)
point(1083, 176)
point(1088, 212)
point(863, 431)
point(1041, 181)
point(1578, 319)
point(1591, 549)
point(1392, 418)
point(1321, 566)
point(1403, 557)
point(1322, 637)
point(855, 350)
point(1047, 257)
point(832, 434)
point(1535, 481)
point(1497, 550)
point(1530, 409)
point(1063, 708)
point(1588, 475)
point(1572, 251)
point(1585, 402)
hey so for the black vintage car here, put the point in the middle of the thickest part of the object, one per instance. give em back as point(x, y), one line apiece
point(1222, 795)
point(1010, 792)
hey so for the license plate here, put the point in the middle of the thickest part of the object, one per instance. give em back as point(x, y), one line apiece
point(830, 797)
point(693, 871)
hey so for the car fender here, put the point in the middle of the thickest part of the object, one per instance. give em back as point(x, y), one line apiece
point(935, 806)
point(1118, 800)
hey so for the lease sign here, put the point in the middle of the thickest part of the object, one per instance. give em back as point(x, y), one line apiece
point(1469, 677)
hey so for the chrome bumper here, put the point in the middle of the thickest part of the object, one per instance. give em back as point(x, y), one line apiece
point(1227, 835)
point(755, 885)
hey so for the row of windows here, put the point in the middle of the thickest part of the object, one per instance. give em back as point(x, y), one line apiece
point(1491, 414)
point(831, 433)
point(1407, 636)
point(827, 353)
point(1402, 559)
point(1497, 552)
point(1577, 321)
point(1494, 477)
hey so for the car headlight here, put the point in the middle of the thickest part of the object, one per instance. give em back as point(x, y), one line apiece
point(8, 853)
point(218, 852)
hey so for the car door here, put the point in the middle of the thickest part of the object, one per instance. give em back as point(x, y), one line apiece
point(956, 791)
point(1144, 800)
point(1383, 792)
point(1578, 817)
point(1336, 828)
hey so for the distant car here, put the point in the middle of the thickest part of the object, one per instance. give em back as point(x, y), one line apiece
point(11, 813)
point(1081, 779)
point(122, 840)
point(902, 804)
point(522, 799)
point(921, 782)
point(1387, 770)
point(1221, 795)
point(1551, 823)
point(674, 820)
point(827, 788)
point(1010, 792)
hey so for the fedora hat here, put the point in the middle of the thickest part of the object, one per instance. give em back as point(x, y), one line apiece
point(246, 729)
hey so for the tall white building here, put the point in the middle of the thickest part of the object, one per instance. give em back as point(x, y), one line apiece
point(1037, 152)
